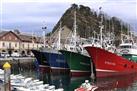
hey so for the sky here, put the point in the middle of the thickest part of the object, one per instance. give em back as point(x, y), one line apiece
point(31, 15)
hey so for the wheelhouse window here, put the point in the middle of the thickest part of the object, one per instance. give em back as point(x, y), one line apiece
point(127, 46)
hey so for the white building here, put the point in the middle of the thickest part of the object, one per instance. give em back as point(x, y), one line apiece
point(16, 42)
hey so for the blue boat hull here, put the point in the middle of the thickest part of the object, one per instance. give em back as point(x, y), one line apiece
point(50, 61)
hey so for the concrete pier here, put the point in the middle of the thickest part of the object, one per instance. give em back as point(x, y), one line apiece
point(16, 60)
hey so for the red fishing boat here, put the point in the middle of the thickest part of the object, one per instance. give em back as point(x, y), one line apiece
point(111, 64)
point(108, 63)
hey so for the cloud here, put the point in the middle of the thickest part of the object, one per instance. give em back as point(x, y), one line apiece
point(27, 14)
point(31, 19)
point(17, 13)
point(54, 1)
point(29, 27)
point(136, 10)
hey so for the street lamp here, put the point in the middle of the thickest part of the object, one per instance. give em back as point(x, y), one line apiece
point(44, 33)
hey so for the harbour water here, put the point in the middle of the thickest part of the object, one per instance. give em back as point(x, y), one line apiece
point(119, 83)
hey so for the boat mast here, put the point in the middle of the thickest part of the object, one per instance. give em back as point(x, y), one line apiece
point(121, 32)
point(59, 32)
point(75, 29)
point(32, 39)
point(44, 33)
point(101, 27)
point(130, 34)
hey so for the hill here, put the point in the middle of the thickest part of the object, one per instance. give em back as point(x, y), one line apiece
point(88, 22)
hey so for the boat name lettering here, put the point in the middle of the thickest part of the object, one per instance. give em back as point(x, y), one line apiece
point(84, 63)
point(45, 61)
point(60, 61)
point(110, 63)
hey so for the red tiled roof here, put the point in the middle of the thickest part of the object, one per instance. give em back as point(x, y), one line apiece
point(24, 37)
point(3, 33)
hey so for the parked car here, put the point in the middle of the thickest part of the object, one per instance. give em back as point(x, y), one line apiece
point(4, 54)
point(15, 54)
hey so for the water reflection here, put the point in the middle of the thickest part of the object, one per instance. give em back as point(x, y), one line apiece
point(62, 80)
point(117, 83)
point(59, 80)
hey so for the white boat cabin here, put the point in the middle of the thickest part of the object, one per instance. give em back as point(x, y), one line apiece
point(128, 51)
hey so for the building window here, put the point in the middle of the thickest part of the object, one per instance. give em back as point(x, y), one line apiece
point(9, 45)
point(15, 44)
point(22, 45)
point(37, 46)
point(28, 46)
point(15, 51)
point(3, 44)
point(3, 51)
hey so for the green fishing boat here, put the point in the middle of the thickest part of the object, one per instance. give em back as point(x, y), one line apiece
point(79, 64)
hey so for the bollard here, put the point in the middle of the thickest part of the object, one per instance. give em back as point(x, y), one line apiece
point(7, 72)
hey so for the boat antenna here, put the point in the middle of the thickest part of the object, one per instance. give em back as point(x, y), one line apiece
point(101, 25)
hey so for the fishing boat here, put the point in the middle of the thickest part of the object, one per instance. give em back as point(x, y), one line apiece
point(50, 59)
point(21, 83)
point(41, 62)
point(109, 63)
point(79, 63)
